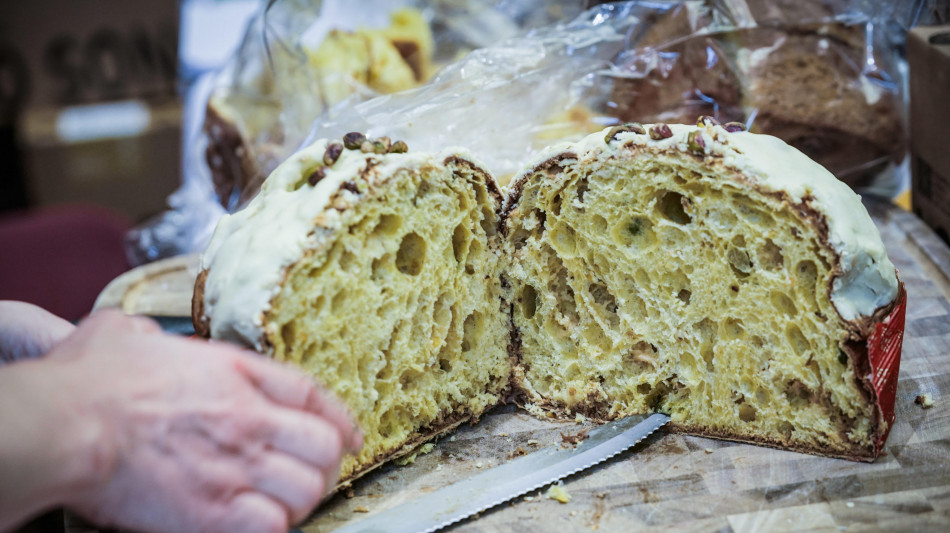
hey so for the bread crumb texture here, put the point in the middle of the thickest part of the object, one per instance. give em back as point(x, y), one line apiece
point(657, 282)
point(558, 493)
point(398, 312)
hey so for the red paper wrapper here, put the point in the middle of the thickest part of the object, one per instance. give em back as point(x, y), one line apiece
point(884, 353)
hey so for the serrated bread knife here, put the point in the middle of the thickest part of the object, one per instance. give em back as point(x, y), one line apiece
point(446, 506)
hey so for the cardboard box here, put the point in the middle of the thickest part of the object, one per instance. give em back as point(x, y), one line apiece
point(928, 57)
point(123, 155)
point(60, 57)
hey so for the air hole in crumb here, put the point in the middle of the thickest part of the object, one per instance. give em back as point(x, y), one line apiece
point(708, 355)
point(636, 231)
point(739, 262)
point(673, 206)
point(388, 225)
point(442, 315)
point(319, 303)
point(471, 330)
point(387, 371)
point(796, 339)
point(481, 194)
point(445, 365)
point(746, 412)
point(288, 334)
point(460, 238)
point(642, 354)
point(556, 204)
point(684, 295)
point(770, 255)
point(380, 266)
point(707, 330)
point(607, 301)
point(807, 274)
point(563, 239)
point(411, 255)
point(598, 224)
point(644, 388)
point(732, 329)
point(336, 304)
point(347, 261)
point(785, 428)
point(558, 284)
point(529, 301)
point(797, 393)
point(489, 221)
point(783, 303)
point(842, 357)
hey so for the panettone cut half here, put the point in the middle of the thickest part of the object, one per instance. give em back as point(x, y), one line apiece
point(377, 274)
point(720, 277)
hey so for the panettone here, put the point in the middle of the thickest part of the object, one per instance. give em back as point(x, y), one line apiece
point(245, 137)
point(378, 274)
point(718, 276)
point(723, 278)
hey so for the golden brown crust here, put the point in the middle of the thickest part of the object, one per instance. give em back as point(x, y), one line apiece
point(229, 158)
point(198, 318)
point(854, 453)
point(413, 442)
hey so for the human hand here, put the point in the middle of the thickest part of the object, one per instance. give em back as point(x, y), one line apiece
point(191, 436)
point(28, 331)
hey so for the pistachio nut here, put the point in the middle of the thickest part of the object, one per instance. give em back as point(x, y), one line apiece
point(399, 147)
point(660, 131)
point(332, 154)
point(734, 127)
point(623, 128)
point(706, 120)
point(353, 140)
point(696, 143)
point(317, 175)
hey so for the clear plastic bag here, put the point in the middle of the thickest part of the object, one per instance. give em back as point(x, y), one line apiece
point(827, 76)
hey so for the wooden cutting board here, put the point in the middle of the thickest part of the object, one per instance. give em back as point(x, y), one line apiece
point(675, 481)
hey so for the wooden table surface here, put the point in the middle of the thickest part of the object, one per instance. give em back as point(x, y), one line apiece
point(681, 482)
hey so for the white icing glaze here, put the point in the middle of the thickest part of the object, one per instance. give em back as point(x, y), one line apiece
point(867, 279)
point(252, 248)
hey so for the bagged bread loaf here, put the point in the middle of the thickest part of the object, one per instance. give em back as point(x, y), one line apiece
point(718, 276)
point(378, 274)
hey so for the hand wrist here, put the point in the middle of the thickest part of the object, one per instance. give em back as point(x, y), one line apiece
point(57, 448)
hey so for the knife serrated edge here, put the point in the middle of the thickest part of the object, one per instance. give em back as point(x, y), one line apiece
point(513, 488)
point(654, 422)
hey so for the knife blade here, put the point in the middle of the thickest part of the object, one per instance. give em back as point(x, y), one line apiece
point(179, 325)
point(446, 506)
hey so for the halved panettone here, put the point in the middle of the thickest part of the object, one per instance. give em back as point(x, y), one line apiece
point(721, 277)
point(718, 276)
point(379, 274)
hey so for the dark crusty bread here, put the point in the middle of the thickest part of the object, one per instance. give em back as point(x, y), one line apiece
point(796, 76)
